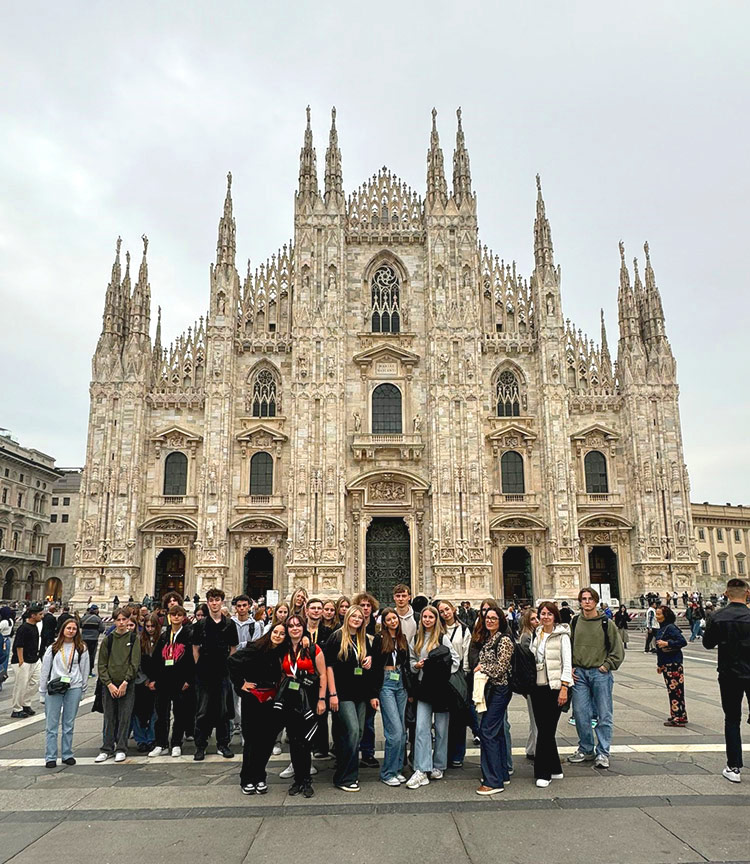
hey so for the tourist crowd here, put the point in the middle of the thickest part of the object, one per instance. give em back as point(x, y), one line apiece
point(320, 670)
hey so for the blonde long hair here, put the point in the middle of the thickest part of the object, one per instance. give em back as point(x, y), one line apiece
point(358, 645)
point(435, 636)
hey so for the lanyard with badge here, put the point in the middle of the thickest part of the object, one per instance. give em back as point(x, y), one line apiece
point(394, 675)
point(293, 685)
point(170, 651)
point(65, 679)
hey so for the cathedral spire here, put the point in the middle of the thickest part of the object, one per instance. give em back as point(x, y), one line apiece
point(139, 319)
point(123, 313)
point(112, 296)
point(334, 186)
point(437, 188)
point(543, 249)
point(226, 243)
point(461, 167)
point(606, 358)
point(308, 171)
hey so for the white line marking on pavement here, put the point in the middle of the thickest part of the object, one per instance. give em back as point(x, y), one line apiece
point(284, 757)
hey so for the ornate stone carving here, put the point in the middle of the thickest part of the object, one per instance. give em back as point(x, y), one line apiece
point(387, 491)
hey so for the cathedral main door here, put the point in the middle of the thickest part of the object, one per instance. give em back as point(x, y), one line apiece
point(258, 575)
point(170, 573)
point(388, 558)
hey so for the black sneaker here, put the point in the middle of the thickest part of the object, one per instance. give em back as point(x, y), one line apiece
point(29, 712)
point(261, 788)
point(321, 755)
point(369, 762)
point(295, 789)
point(69, 761)
point(225, 752)
point(199, 755)
point(50, 764)
point(307, 790)
point(17, 715)
point(143, 747)
point(248, 789)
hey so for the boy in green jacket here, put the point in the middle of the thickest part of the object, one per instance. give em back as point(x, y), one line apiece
point(119, 659)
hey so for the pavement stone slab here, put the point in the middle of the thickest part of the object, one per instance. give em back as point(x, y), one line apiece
point(718, 833)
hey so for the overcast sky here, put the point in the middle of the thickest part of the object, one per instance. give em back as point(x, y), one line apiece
point(125, 119)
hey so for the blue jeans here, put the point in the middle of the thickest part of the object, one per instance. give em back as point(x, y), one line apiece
point(424, 758)
point(348, 725)
point(367, 744)
point(392, 707)
point(592, 696)
point(144, 733)
point(5, 651)
point(493, 753)
point(695, 629)
point(66, 704)
point(508, 739)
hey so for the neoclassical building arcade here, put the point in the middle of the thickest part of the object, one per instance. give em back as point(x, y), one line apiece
point(384, 400)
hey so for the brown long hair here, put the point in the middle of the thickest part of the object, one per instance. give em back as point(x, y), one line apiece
point(387, 643)
point(148, 641)
point(480, 631)
point(77, 639)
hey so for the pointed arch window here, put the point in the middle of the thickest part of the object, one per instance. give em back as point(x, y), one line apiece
point(264, 394)
point(386, 410)
point(261, 474)
point(175, 474)
point(507, 395)
point(385, 294)
point(511, 473)
point(595, 469)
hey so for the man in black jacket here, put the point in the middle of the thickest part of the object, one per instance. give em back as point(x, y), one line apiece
point(729, 629)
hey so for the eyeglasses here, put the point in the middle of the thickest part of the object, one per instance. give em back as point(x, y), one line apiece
point(491, 618)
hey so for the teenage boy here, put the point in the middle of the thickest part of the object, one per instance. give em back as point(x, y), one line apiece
point(729, 629)
point(214, 639)
point(318, 634)
point(247, 631)
point(402, 604)
point(597, 652)
point(174, 680)
point(119, 660)
point(26, 655)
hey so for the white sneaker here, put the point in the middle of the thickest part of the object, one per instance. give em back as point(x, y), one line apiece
point(102, 757)
point(732, 774)
point(417, 779)
point(313, 770)
point(601, 762)
point(120, 756)
point(542, 784)
point(557, 776)
point(158, 751)
point(400, 778)
point(391, 781)
point(436, 774)
point(176, 752)
point(288, 772)
point(276, 750)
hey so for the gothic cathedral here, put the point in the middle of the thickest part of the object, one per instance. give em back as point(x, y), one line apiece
point(383, 401)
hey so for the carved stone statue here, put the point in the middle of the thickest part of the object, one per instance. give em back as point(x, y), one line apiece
point(417, 423)
point(357, 421)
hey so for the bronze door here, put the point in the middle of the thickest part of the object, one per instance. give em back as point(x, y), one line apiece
point(388, 558)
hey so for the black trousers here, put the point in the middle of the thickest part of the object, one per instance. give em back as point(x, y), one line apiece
point(214, 708)
point(732, 692)
point(546, 715)
point(182, 702)
point(321, 741)
point(299, 747)
point(92, 645)
point(649, 638)
point(260, 723)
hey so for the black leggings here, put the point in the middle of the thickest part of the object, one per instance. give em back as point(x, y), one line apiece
point(546, 714)
point(260, 723)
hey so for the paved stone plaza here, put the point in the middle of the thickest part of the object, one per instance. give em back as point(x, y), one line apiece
point(663, 800)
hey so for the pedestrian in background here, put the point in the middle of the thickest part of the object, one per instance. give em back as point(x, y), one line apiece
point(92, 627)
point(26, 655)
point(669, 645)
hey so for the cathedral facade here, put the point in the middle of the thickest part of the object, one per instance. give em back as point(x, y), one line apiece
point(384, 401)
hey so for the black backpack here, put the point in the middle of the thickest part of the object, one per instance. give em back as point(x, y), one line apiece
point(522, 670)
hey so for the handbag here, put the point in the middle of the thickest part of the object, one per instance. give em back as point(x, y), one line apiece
point(60, 685)
point(263, 694)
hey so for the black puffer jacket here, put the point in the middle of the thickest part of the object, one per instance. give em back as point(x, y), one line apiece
point(729, 629)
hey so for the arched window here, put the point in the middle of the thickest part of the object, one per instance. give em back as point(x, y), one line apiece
point(385, 296)
point(175, 474)
point(264, 394)
point(36, 541)
point(595, 466)
point(511, 471)
point(261, 474)
point(507, 395)
point(386, 410)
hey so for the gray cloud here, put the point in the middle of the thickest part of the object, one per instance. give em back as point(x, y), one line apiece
point(125, 121)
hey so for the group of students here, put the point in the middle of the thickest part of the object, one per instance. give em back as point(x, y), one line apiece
point(433, 676)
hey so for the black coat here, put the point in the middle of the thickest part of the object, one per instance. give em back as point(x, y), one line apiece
point(436, 673)
point(729, 629)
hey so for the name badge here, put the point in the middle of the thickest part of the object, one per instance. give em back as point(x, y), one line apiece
point(394, 676)
point(294, 685)
point(358, 670)
point(169, 662)
point(65, 679)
